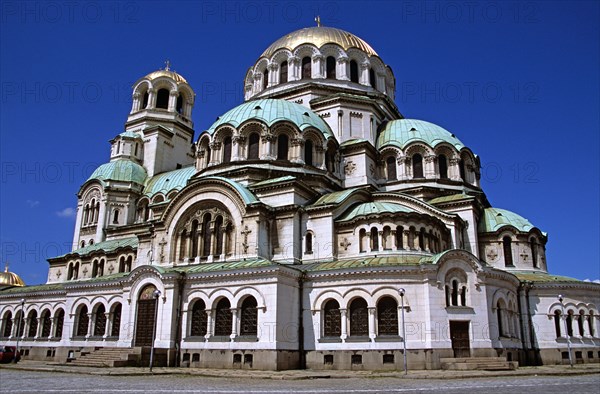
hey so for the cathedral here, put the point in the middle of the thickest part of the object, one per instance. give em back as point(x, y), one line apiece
point(312, 226)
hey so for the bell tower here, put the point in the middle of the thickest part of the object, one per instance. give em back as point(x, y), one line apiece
point(161, 115)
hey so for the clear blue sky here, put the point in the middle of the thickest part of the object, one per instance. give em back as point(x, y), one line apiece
point(518, 82)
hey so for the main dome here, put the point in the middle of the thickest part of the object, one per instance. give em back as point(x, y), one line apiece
point(319, 36)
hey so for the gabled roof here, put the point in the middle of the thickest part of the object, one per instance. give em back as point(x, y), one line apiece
point(105, 246)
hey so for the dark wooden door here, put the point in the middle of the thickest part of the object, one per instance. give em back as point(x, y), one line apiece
point(144, 322)
point(459, 332)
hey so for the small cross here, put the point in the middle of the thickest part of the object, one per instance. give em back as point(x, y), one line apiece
point(524, 255)
point(167, 65)
point(85, 270)
point(345, 243)
point(245, 232)
point(318, 20)
point(58, 274)
point(110, 269)
point(162, 244)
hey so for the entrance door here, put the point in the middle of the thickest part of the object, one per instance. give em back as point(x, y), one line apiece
point(144, 321)
point(459, 332)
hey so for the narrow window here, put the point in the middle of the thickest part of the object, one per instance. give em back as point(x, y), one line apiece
point(507, 247)
point(443, 166)
point(116, 217)
point(331, 67)
point(162, 99)
point(306, 68)
point(282, 147)
point(372, 79)
point(455, 293)
point(534, 256)
point(20, 321)
point(399, 238)
point(82, 322)
point(219, 236)
point(353, 71)
point(387, 316)
point(591, 318)
point(194, 239)
point(116, 321)
point(179, 106)
point(227, 150)
point(359, 318)
point(499, 317)
point(391, 168)
point(145, 101)
point(249, 317)
point(8, 324)
point(223, 318)
point(253, 146)
point(417, 164)
point(332, 319)
point(60, 320)
point(570, 323)
point(362, 238)
point(182, 244)
point(374, 239)
point(283, 72)
point(580, 323)
point(461, 169)
point(199, 319)
point(463, 296)
point(100, 321)
point(308, 247)
point(308, 153)
point(265, 81)
point(207, 235)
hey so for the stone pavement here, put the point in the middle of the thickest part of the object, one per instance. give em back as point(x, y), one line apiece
point(548, 370)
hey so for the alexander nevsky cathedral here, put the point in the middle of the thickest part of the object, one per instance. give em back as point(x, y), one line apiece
point(312, 226)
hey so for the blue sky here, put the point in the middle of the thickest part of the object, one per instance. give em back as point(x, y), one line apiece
point(517, 82)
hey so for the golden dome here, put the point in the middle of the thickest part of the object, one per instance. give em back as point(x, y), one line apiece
point(166, 72)
point(10, 278)
point(319, 36)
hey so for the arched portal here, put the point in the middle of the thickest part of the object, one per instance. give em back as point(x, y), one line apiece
point(144, 321)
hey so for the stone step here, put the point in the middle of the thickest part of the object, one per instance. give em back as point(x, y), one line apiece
point(471, 359)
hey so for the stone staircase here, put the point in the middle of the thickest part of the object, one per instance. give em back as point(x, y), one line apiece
point(108, 357)
point(478, 363)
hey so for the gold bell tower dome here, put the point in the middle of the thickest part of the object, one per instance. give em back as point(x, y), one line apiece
point(10, 279)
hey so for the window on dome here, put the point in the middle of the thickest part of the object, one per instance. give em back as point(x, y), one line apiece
point(417, 164)
point(399, 237)
point(374, 239)
point(253, 146)
point(162, 99)
point(372, 79)
point(282, 147)
point(283, 72)
point(145, 101)
point(306, 68)
point(443, 166)
point(534, 252)
point(179, 105)
point(227, 150)
point(461, 168)
point(308, 153)
point(507, 247)
point(353, 71)
point(265, 81)
point(331, 67)
point(391, 168)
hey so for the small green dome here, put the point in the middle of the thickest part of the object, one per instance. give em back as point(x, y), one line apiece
point(496, 218)
point(402, 132)
point(271, 111)
point(120, 170)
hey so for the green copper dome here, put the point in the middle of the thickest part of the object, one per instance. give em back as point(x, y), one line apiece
point(496, 218)
point(168, 181)
point(402, 132)
point(120, 170)
point(271, 111)
point(373, 208)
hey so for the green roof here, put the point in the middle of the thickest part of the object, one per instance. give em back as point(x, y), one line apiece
point(366, 262)
point(542, 277)
point(129, 134)
point(373, 208)
point(334, 198)
point(167, 181)
point(36, 288)
point(402, 132)
point(495, 218)
point(273, 181)
point(120, 170)
point(271, 111)
point(353, 141)
point(106, 246)
point(450, 198)
point(246, 194)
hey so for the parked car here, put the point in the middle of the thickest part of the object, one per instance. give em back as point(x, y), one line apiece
point(7, 354)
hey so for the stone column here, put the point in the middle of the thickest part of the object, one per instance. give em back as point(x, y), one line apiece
point(429, 170)
point(293, 68)
point(372, 326)
point(151, 98)
point(363, 78)
point(234, 323)
point(317, 67)
point(342, 69)
point(296, 151)
point(344, 325)
point(90, 325)
point(209, 322)
point(273, 74)
point(136, 102)
point(405, 235)
point(108, 326)
point(380, 239)
point(453, 171)
point(172, 101)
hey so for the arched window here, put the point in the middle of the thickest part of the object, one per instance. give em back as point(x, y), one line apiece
point(198, 327)
point(353, 71)
point(70, 271)
point(391, 168)
point(115, 329)
point(282, 147)
point(454, 295)
point(507, 247)
point(60, 321)
point(580, 323)
point(249, 317)
point(386, 238)
point(306, 68)
point(227, 150)
point(46, 324)
point(570, 323)
point(359, 318)
point(283, 72)
point(461, 169)
point(308, 153)
point(20, 322)
point(194, 239)
point(179, 106)
point(116, 216)
point(118, 147)
point(331, 67)
point(443, 166)
point(463, 296)
point(182, 244)
point(86, 214)
point(557, 323)
point(308, 243)
point(534, 252)
point(499, 317)
point(83, 244)
point(253, 141)
point(422, 239)
point(145, 100)
point(417, 165)
point(8, 324)
point(399, 237)
point(591, 318)
point(219, 235)
point(100, 321)
point(162, 99)
point(128, 263)
point(332, 319)
point(374, 239)
point(372, 79)
point(82, 322)
point(362, 238)
point(387, 316)
point(223, 318)
point(265, 81)
point(206, 250)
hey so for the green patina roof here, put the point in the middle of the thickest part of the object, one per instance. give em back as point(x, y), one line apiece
point(274, 181)
point(106, 246)
point(373, 208)
point(334, 198)
point(36, 288)
point(542, 277)
point(120, 170)
point(402, 132)
point(167, 181)
point(366, 262)
point(352, 142)
point(496, 218)
point(129, 134)
point(246, 194)
point(450, 198)
point(271, 111)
